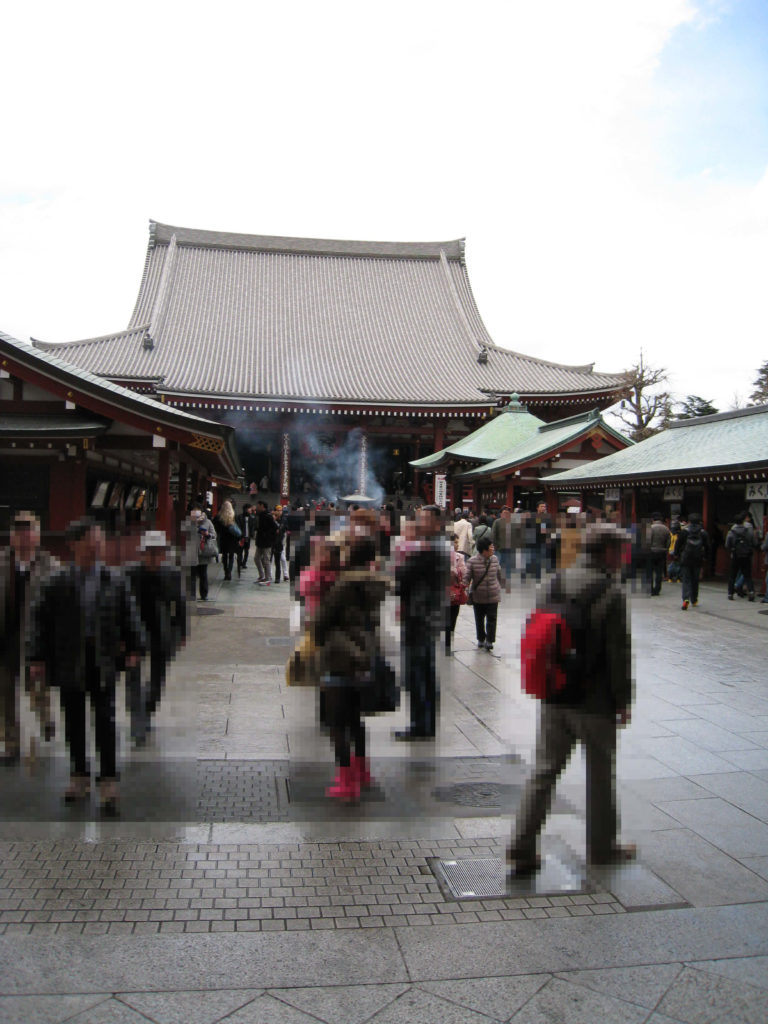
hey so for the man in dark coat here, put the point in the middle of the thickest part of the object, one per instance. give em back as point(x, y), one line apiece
point(740, 543)
point(657, 543)
point(421, 581)
point(24, 567)
point(84, 628)
point(691, 549)
point(594, 702)
point(266, 532)
point(247, 523)
point(158, 590)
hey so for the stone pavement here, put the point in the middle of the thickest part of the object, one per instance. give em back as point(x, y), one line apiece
point(181, 910)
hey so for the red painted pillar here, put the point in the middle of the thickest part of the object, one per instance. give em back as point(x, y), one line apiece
point(164, 514)
point(510, 500)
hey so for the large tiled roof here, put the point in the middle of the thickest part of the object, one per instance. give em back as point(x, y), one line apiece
point(248, 316)
point(708, 444)
point(548, 437)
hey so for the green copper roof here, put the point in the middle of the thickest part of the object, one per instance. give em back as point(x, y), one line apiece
point(708, 443)
point(498, 435)
point(548, 437)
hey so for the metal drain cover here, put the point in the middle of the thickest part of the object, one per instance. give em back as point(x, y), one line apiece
point(477, 794)
point(478, 879)
point(279, 641)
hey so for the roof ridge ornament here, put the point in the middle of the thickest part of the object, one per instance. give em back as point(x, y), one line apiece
point(159, 313)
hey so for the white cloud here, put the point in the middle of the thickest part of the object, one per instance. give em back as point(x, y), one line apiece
point(529, 128)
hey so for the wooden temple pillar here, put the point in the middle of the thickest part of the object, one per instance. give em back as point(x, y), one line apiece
point(510, 498)
point(164, 514)
point(416, 473)
point(181, 505)
point(67, 500)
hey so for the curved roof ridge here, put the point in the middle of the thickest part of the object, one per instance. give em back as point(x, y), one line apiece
point(582, 368)
point(54, 346)
point(161, 234)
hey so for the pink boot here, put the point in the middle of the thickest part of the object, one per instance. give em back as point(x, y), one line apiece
point(361, 766)
point(346, 785)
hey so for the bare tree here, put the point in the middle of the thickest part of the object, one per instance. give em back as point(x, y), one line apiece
point(646, 410)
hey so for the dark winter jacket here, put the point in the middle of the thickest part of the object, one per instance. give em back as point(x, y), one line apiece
point(345, 626)
point(595, 606)
point(693, 553)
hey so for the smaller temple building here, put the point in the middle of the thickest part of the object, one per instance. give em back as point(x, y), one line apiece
point(72, 444)
point(716, 466)
point(509, 460)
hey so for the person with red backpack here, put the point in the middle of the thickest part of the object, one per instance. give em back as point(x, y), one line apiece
point(576, 658)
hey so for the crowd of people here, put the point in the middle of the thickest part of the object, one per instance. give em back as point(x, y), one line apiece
point(76, 626)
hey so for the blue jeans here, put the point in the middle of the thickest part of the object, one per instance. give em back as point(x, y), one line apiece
point(506, 559)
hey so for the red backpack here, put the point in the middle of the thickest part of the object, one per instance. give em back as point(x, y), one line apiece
point(562, 643)
point(544, 646)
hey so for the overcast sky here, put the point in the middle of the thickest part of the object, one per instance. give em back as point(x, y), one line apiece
point(606, 160)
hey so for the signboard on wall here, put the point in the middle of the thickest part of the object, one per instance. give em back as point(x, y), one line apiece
point(674, 492)
point(613, 494)
point(757, 491)
point(441, 490)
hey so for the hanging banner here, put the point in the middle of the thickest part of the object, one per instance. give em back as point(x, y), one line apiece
point(441, 490)
point(285, 469)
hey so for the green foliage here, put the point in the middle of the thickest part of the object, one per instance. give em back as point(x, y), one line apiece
point(760, 395)
point(694, 406)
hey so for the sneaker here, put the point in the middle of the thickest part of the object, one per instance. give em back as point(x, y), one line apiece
point(480, 645)
point(488, 647)
point(79, 788)
point(685, 606)
point(264, 583)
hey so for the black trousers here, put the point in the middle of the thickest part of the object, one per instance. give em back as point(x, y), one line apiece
point(485, 622)
point(452, 615)
point(200, 572)
point(99, 689)
point(341, 709)
point(419, 674)
point(741, 564)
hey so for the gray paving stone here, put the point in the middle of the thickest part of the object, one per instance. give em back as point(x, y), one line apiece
point(110, 1012)
point(52, 964)
point(742, 789)
point(267, 1009)
point(573, 1004)
point(752, 969)
point(621, 940)
point(698, 997)
point(189, 1007)
point(45, 1009)
point(642, 985)
point(635, 886)
point(727, 827)
point(419, 1007)
point(346, 1004)
point(702, 874)
point(500, 998)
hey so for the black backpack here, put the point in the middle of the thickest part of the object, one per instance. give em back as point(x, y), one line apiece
point(694, 545)
point(742, 546)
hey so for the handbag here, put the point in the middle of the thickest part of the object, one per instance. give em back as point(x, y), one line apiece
point(298, 668)
point(470, 595)
point(382, 694)
point(458, 593)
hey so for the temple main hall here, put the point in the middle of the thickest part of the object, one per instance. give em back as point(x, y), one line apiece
point(338, 363)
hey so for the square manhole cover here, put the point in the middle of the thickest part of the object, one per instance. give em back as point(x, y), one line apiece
point(485, 878)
